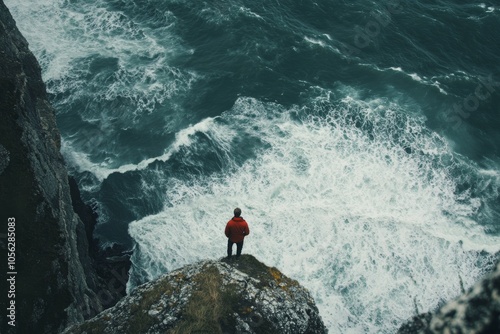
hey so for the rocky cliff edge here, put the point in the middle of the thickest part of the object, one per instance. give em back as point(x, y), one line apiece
point(238, 296)
point(476, 311)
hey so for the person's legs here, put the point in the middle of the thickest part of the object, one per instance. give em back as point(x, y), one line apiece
point(229, 247)
point(239, 247)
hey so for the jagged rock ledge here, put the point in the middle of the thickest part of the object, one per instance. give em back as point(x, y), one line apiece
point(238, 296)
point(112, 264)
point(476, 311)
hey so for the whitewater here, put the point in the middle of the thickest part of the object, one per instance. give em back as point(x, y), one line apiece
point(173, 113)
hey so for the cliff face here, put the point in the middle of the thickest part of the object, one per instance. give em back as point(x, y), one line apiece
point(239, 296)
point(476, 311)
point(54, 280)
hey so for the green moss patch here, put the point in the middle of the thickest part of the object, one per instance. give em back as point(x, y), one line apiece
point(205, 308)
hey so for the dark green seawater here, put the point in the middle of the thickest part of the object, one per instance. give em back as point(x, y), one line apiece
point(361, 139)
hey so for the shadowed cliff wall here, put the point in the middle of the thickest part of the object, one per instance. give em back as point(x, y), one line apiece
point(54, 280)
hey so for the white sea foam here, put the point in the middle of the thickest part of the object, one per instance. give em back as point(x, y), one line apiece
point(82, 162)
point(60, 33)
point(369, 228)
point(68, 39)
point(321, 43)
point(420, 79)
point(248, 12)
point(315, 41)
point(115, 66)
point(489, 9)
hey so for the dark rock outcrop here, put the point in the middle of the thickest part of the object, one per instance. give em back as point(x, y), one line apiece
point(87, 214)
point(55, 281)
point(476, 311)
point(112, 265)
point(239, 296)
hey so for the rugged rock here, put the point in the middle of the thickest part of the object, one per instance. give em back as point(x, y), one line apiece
point(87, 214)
point(55, 281)
point(238, 296)
point(112, 265)
point(476, 311)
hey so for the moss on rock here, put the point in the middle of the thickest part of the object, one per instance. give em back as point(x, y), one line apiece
point(237, 296)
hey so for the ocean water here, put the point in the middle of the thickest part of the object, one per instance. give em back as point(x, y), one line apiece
point(361, 140)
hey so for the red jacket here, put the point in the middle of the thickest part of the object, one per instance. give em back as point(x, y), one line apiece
point(237, 229)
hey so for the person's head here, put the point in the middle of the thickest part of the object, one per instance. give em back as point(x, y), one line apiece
point(237, 212)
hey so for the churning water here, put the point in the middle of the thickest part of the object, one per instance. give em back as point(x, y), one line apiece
point(360, 140)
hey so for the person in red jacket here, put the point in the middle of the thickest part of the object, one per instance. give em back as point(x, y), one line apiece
point(236, 230)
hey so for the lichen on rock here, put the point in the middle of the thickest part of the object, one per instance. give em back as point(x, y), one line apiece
point(239, 296)
point(476, 311)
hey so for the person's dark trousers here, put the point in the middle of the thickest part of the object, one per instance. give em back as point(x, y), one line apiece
point(239, 247)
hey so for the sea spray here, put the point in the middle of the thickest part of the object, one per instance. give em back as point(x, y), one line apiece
point(337, 202)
